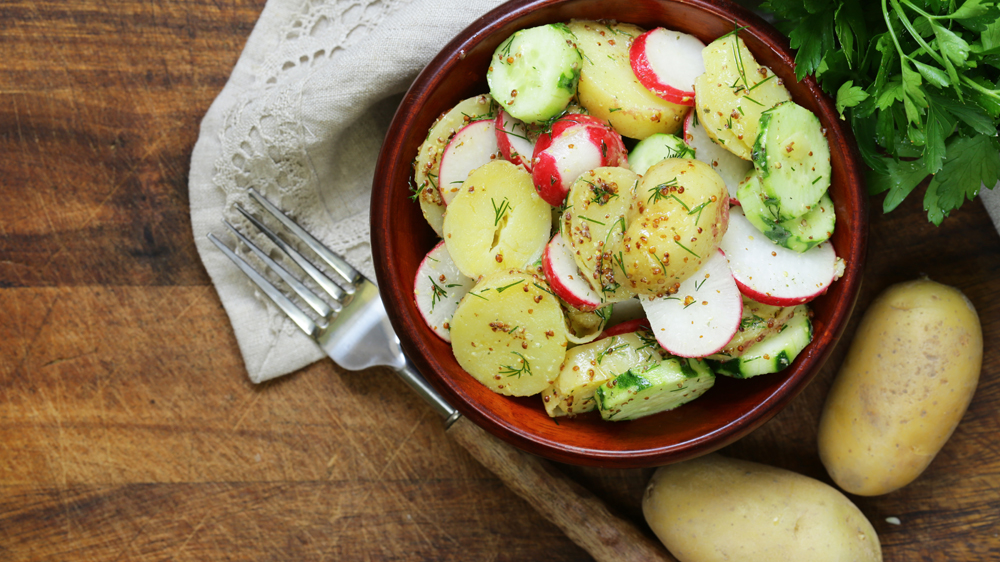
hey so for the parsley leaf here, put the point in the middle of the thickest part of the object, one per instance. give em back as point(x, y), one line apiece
point(971, 162)
point(849, 95)
point(919, 82)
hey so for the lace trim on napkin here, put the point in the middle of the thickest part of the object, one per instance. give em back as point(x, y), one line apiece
point(265, 144)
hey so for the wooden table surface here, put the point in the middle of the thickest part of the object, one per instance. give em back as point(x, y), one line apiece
point(129, 430)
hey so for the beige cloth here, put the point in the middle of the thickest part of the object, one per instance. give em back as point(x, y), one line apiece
point(301, 119)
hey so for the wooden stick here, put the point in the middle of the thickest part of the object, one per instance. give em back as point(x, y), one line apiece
point(574, 509)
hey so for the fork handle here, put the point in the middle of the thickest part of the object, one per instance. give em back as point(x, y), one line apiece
point(574, 509)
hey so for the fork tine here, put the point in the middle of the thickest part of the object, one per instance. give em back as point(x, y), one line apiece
point(338, 264)
point(284, 303)
point(317, 304)
point(318, 276)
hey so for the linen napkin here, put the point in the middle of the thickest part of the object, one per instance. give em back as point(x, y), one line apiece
point(301, 119)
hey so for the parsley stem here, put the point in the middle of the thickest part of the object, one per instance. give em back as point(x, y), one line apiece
point(913, 32)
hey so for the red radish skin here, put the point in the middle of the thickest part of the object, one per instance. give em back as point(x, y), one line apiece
point(702, 316)
point(438, 287)
point(569, 150)
point(667, 62)
point(626, 327)
point(570, 119)
point(565, 277)
point(771, 274)
point(513, 140)
point(472, 146)
point(731, 168)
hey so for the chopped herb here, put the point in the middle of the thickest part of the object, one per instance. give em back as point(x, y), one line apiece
point(499, 211)
point(415, 191)
point(510, 371)
point(505, 287)
point(588, 219)
point(436, 293)
point(544, 289)
point(610, 350)
point(688, 250)
point(659, 192)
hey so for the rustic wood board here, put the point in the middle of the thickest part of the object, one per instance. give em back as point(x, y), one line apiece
point(128, 429)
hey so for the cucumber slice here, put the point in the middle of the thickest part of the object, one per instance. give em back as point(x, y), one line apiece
point(774, 352)
point(639, 392)
point(759, 320)
point(534, 73)
point(654, 148)
point(588, 366)
point(799, 234)
point(792, 158)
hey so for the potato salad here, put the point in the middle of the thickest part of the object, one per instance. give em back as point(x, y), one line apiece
point(626, 215)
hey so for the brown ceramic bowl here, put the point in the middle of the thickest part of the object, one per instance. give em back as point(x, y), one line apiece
point(401, 238)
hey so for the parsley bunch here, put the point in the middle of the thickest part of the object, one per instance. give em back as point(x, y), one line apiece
point(919, 82)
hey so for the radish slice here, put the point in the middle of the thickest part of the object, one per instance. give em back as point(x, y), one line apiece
point(438, 288)
point(770, 274)
point(667, 62)
point(570, 150)
point(472, 146)
point(702, 316)
point(565, 277)
point(513, 141)
point(732, 168)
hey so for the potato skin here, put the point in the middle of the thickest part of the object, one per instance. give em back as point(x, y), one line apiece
point(907, 380)
point(716, 508)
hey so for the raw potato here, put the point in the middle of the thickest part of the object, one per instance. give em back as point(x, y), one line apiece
point(509, 334)
point(908, 377)
point(428, 161)
point(609, 89)
point(715, 508)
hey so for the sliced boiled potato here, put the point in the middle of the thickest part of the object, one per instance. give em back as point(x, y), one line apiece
point(593, 225)
point(589, 366)
point(497, 221)
point(679, 214)
point(733, 92)
point(608, 88)
point(584, 326)
point(428, 161)
point(509, 333)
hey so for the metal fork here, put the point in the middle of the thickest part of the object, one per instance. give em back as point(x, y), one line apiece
point(354, 330)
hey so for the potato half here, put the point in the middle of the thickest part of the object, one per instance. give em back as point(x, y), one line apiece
point(679, 214)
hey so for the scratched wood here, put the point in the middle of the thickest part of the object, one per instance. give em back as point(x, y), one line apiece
point(128, 430)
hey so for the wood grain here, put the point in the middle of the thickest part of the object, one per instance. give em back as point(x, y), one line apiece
point(128, 430)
